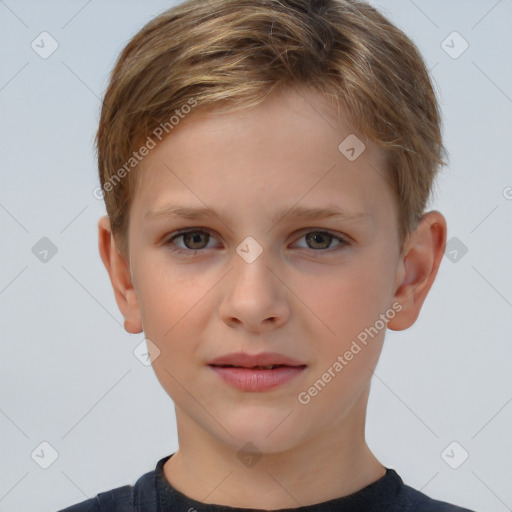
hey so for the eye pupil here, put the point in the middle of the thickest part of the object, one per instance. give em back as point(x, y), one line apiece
point(315, 236)
point(193, 238)
point(195, 241)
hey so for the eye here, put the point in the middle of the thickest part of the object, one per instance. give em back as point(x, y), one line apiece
point(195, 240)
point(318, 240)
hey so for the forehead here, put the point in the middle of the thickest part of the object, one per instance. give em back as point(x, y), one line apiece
point(294, 143)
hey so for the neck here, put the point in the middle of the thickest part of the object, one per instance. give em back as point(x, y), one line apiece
point(333, 464)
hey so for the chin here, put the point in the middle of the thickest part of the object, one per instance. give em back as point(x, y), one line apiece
point(266, 435)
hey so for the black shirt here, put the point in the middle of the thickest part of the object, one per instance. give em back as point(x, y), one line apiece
point(153, 493)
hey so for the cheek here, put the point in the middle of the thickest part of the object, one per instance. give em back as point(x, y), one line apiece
point(174, 306)
point(167, 297)
point(349, 339)
point(169, 304)
point(347, 300)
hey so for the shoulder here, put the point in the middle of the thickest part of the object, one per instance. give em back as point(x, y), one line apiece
point(416, 501)
point(119, 499)
point(127, 498)
point(390, 493)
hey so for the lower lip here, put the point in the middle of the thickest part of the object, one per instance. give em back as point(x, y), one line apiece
point(248, 379)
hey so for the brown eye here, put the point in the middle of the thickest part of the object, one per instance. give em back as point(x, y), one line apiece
point(195, 239)
point(321, 242)
point(194, 242)
point(319, 239)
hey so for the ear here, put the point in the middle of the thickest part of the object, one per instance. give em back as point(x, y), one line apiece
point(120, 276)
point(421, 258)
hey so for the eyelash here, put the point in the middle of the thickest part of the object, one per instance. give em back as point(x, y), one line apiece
point(193, 252)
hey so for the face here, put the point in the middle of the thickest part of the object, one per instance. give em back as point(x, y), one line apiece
point(257, 276)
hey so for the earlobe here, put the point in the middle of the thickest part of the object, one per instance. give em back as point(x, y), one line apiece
point(120, 276)
point(420, 263)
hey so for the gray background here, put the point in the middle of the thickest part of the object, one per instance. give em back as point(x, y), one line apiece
point(67, 369)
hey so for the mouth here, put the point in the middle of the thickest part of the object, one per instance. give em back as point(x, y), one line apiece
point(267, 367)
point(258, 378)
point(263, 360)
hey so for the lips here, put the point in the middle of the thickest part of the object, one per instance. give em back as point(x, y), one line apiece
point(264, 361)
point(257, 372)
point(269, 367)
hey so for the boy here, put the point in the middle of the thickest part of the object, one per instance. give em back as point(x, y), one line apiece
point(298, 141)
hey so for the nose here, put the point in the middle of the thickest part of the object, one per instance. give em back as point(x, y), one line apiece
point(254, 295)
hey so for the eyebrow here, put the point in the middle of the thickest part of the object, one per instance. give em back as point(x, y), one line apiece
point(297, 212)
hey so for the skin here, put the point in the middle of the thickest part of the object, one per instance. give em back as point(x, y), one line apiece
point(298, 298)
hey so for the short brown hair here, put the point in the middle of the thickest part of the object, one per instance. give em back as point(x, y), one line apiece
point(236, 52)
